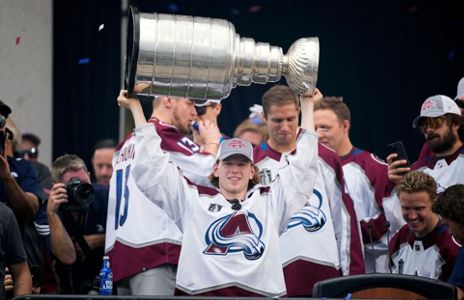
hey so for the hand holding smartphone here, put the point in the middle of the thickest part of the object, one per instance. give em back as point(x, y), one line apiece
point(398, 148)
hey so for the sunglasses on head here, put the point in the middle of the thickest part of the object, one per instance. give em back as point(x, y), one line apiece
point(432, 123)
point(32, 153)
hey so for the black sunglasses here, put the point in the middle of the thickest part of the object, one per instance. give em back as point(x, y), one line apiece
point(32, 153)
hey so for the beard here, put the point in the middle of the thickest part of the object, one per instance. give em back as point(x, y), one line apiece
point(439, 145)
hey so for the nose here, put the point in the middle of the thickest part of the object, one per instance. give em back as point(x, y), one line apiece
point(412, 215)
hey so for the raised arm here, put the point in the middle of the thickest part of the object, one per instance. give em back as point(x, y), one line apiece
point(133, 104)
point(295, 181)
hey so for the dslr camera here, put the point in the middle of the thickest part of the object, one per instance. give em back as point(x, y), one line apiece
point(80, 195)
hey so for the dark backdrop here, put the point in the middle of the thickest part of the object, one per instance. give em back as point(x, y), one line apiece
point(383, 57)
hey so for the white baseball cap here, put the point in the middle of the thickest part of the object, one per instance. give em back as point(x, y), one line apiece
point(436, 106)
point(235, 146)
point(460, 91)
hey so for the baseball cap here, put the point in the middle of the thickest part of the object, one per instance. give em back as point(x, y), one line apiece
point(460, 91)
point(436, 106)
point(235, 146)
point(5, 110)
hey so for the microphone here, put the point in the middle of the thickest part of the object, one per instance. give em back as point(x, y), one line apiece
point(369, 228)
point(387, 225)
point(400, 266)
point(235, 204)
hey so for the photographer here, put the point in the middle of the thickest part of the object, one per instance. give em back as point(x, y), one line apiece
point(76, 213)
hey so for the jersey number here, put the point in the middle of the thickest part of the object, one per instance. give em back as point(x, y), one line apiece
point(121, 192)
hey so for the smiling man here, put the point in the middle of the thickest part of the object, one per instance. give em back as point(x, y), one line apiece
point(424, 246)
point(230, 243)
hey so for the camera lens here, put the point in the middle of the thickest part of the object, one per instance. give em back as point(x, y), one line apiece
point(83, 192)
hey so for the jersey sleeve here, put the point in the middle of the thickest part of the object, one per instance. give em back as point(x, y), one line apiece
point(295, 181)
point(158, 178)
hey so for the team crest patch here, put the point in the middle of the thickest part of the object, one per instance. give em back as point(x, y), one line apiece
point(311, 217)
point(427, 105)
point(240, 231)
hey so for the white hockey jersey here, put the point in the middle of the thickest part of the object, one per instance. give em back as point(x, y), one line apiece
point(322, 240)
point(430, 256)
point(139, 235)
point(227, 252)
point(376, 204)
point(446, 171)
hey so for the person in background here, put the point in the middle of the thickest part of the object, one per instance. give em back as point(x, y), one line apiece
point(253, 129)
point(207, 110)
point(29, 150)
point(423, 247)
point(14, 270)
point(442, 126)
point(459, 99)
point(142, 241)
point(76, 215)
point(102, 157)
point(450, 207)
point(366, 180)
point(322, 239)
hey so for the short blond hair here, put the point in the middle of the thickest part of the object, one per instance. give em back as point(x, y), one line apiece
point(415, 182)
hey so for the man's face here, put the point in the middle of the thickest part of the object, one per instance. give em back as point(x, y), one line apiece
point(81, 174)
point(417, 212)
point(282, 124)
point(441, 138)
point(331, 131)
point(456, 229)
point(102, 165)
point(27, 146)
point(183, 114)
point(234, 173)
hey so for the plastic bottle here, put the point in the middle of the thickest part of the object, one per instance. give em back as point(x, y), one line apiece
point(106, 277)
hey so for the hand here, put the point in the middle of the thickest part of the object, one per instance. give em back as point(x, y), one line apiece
point(209, 132)
point(58, 196)
point(395, 171)
point(8, 281)
point(5, 172)
point(311, 96)
point(125, 102)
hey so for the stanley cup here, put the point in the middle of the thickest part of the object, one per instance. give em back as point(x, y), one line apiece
point(203, 58)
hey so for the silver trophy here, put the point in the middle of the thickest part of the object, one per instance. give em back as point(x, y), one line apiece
point(204, 58)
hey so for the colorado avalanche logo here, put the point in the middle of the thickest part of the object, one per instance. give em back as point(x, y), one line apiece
point(311, 217)
point(240, 231)
point(427, 105)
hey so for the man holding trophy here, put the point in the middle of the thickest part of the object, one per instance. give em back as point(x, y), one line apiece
point(229, 228)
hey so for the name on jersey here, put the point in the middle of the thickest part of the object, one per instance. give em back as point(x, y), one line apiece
point(125, 154)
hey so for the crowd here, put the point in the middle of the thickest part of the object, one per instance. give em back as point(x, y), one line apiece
point(182, 209)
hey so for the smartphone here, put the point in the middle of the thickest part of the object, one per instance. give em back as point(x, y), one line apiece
point(398, 148)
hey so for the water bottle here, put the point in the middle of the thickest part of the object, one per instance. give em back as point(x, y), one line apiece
point(106, 277)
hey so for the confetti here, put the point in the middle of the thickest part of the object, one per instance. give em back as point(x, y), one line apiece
point(173, 7)
point(18, 40)
point(101, 27)
point(254, 8)
point(84, 61)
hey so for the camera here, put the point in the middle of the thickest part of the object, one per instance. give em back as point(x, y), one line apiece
point(80, 195)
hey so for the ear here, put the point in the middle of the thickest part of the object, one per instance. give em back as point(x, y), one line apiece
point(215, 170)
point(218, 109)
point(346, 125)
point(168, 102)
point(253, 171)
